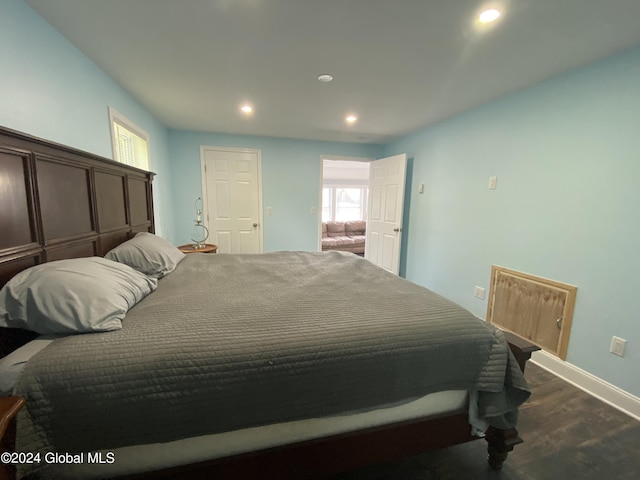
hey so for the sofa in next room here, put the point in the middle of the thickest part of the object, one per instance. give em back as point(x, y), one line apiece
point(345, 236)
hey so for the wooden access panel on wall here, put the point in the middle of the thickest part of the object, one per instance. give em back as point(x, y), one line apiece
point(537, 309)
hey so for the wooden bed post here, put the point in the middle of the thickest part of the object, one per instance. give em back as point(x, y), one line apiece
point(500, 443)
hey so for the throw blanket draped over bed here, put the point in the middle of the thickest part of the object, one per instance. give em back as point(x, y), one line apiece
point(235, 341)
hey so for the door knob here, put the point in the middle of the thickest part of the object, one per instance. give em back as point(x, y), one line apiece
point(255, 225)
point(396, 229)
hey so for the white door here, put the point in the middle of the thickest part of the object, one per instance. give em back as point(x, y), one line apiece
point(232, 198)
point(386, 203)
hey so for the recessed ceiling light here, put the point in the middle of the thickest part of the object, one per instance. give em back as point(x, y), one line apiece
point(351, 118)
point(325, 77)
point(246, 108)
point(489, 16)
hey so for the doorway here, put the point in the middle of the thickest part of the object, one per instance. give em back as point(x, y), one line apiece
point(369, 193)
point(344, 200)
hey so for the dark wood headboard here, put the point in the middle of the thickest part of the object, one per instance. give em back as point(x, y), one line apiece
point(57, 202)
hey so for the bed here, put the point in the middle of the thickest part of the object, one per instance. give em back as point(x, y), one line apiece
point(233, 366)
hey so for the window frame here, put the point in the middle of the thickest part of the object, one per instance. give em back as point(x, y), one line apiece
point(334, 186)
point(124, 122)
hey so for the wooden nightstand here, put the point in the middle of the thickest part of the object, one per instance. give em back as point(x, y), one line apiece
point(206, 248)
point(9, 407)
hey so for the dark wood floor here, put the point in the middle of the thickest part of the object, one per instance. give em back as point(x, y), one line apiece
point(568, 435)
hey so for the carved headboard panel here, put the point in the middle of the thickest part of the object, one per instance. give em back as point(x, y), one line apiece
point(57, 202)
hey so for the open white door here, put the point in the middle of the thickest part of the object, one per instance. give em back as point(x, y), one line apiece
point(386, 204)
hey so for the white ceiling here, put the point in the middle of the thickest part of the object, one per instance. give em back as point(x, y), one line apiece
point(399, 65)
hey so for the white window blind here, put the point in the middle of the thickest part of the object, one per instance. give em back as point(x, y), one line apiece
point(130, 143)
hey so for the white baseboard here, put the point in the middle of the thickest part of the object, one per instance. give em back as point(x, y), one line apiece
point(610, 394)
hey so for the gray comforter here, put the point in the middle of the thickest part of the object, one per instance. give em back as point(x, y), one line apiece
point(234, 341)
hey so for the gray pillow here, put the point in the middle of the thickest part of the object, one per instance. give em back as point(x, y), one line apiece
point(147, 253)
point(72, 296)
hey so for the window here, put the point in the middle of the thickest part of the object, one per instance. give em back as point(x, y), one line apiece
point(130, 143)
point(343, 203)
point(345, 185)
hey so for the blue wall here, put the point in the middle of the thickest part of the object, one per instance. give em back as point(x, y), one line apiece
point(291, 172)
point(566, 154)
point(49, 89)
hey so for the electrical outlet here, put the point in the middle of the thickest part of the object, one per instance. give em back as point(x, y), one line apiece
point(617, 346)
point(479, 293)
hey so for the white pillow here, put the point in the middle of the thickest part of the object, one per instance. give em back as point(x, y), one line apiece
point(147, 253)
point(72, 296)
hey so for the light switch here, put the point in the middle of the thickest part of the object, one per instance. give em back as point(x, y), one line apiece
point(493, 183)
point(617, 346)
